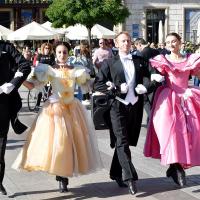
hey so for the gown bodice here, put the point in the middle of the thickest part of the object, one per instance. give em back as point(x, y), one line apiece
point(62, 80)
point(177, 73)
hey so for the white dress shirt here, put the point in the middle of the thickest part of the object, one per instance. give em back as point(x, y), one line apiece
point(129, 71)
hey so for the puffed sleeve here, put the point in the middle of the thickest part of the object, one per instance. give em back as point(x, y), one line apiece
point(81, 75)
point(159, 62)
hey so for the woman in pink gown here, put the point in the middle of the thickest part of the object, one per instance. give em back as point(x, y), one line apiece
point(174, 128)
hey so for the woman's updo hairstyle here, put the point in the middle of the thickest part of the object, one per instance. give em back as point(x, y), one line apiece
point(175, 35)
point(63, 43)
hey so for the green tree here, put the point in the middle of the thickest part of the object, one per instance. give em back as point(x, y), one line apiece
point(86, 12)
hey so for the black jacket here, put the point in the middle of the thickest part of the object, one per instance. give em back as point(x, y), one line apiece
point(12, 61)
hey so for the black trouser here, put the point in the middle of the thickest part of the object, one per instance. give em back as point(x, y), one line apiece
point(123, 122)
point(4, 128)
point(86, 96)
point(39, 98)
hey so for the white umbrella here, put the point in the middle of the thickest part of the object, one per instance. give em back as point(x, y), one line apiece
point(102, 32)
point(77, 32)
point(48, 25)
point(32, 31)
point(80, 32)
point(160, 32)
point(4, 32)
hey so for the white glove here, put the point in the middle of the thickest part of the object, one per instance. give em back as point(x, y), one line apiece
point(140, 89)
point(157, 77)
point(79, 72)
point(7, 87)
point(110, 84)
point(18, 74)
point(124, 88)
point(1, 91)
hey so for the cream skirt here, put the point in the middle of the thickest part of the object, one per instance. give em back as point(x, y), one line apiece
point(61, 141)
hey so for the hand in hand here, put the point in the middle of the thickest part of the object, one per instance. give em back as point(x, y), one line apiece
point(124, 88)
point(157, 77)
point(140, 89)
point(110, 84)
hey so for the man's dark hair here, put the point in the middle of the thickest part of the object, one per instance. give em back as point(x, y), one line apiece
point(140, 41)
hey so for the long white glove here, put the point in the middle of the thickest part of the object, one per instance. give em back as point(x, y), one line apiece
point(140, 89)
point(7, 87)
point(1, 91)
point(157, 77)
point(110, 85)
point(124, 88)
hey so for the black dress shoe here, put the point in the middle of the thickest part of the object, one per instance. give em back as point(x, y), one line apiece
point(181, 175)
point(177, 173)
point(132, 186)
point(63, 187)
point(119, 181)
point(2, 190)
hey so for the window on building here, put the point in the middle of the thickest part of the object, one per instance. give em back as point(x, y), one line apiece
point(153, 16)
point(192, 25)
point(5, 18)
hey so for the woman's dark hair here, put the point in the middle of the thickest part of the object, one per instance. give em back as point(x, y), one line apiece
point(175, 35)
point(63, 43)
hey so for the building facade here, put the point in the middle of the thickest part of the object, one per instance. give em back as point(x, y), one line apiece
point(17, 13)
point(153, 20)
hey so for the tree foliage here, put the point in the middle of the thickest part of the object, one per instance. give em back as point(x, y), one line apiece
point(86, 12)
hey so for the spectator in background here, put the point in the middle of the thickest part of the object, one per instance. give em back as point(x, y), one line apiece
point(162, 50)
point(46, 57)
point(101, 54)
point(183, 49)
point(36, 55)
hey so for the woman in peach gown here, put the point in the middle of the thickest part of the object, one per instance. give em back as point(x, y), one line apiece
point(61, 140)
point(174, 128)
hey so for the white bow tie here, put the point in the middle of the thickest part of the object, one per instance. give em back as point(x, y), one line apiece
point(126, 57)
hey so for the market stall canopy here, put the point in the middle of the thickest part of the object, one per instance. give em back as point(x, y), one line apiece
point(48, 25)
point(80, 32)
point(32, 31)
point(77, 32)
point(4, 32)
point(102, 32)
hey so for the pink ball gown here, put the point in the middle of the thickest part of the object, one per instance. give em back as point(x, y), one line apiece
point(174, 128)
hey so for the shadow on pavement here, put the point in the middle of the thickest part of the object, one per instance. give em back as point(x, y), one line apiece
point(30, 192)
point(152, 186)
point(146, 187)
point(101, 190)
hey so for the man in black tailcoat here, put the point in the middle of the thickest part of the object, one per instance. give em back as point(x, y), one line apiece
point(122, 78)
point(14, 69)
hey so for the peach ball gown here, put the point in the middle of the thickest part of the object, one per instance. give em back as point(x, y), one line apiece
point(174, 128)
point(61, 140)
